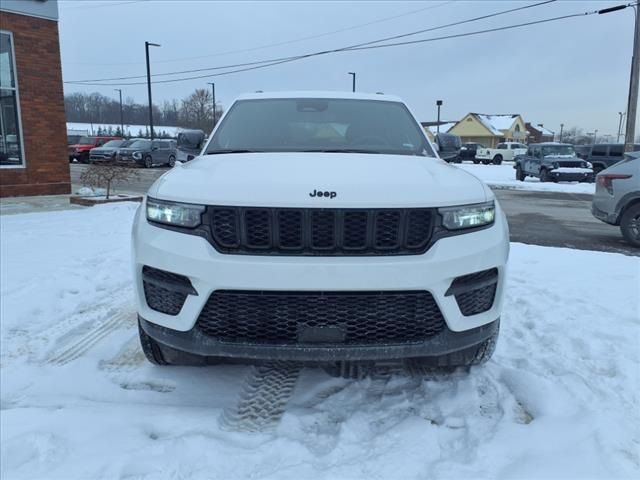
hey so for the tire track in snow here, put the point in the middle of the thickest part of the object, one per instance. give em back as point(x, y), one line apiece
point(83, 344)
point(263, 399)
point(130, 356)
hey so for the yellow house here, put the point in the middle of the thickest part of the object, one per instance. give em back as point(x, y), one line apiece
point(489, 130)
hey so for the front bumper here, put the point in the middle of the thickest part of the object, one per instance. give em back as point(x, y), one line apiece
point(442, 344)
point(565, 176)
point(209, 270)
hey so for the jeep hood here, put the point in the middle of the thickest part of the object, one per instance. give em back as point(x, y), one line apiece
point(287, 179)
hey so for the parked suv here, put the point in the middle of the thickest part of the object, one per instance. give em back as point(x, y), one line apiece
point(604, 155)
point(107, 152)
point(79, 152)
point(319, 227)
point(617, 197)
point(149, 153)
point(468, 152)
point(553, 162)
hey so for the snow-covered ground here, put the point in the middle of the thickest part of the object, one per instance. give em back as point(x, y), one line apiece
point(504, 176)
point(78, 400)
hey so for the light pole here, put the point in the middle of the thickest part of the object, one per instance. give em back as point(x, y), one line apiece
point(146, 51)
point(119, 90)
point(353, 81)
point(621, 114)
point(595, 135)
point(561, 128)
point(213, 92)
point(438, 104)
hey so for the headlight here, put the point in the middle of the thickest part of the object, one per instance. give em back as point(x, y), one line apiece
point(468, 216)
point(587, 165)
point(556, 165)
point(137, 155)
point(172, 213)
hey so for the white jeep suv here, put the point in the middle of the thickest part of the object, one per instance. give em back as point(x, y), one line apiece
point(319, 227)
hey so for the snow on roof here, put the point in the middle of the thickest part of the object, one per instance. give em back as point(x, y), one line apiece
point(496, 123)
point(444, 127)
point(320, 94)
point(544, 131)
point(129, 130)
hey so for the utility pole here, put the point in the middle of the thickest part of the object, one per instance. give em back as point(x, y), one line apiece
point(621, 114)
point(119, 90)
point(438, 104)
point(632, 100)
point(146, 51)
point(595, 135)
point(213, 92)
point(561, 128)
point(353, 81)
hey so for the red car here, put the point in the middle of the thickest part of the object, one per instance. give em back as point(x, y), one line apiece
point(80, 151)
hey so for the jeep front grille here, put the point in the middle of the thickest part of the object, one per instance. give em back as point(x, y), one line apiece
point(286, 317)
point(319, 231)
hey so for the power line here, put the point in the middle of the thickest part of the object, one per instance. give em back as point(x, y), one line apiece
point(439, 27)
point(278, 44)
point(366, 47)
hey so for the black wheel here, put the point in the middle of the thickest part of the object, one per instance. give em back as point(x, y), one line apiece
point(630, 225)
point(486, 162)
point(148, 161)
point(597, 169)
point(544, 175)
point(475, 355)
point(519, 174)
point(163, 355)
point(172, 160)
point(476, 162)
point(151, 348)
point(497, 160)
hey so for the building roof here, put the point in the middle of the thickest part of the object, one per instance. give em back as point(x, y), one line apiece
point(433, 126)
point(496, 123)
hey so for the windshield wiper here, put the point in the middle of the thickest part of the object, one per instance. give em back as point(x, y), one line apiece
point(230, 150)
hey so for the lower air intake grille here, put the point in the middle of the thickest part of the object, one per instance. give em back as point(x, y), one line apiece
point(164, 291)
point(320, 317)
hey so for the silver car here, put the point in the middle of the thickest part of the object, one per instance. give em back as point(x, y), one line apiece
point(617, 197)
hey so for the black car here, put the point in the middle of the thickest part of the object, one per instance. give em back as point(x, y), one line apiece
point(149, 153)
point(553, 162)
point(468, 151)
point(448, 147)
point(603, 155)
point(108, 151)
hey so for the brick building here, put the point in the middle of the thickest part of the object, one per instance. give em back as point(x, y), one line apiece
point(33, 148)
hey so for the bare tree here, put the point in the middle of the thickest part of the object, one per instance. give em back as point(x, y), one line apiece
point(196, 110)
point(103, 176)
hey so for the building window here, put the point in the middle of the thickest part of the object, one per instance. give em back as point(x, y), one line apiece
point(11, 151)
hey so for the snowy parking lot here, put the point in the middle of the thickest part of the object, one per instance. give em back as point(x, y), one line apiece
point(504, 176)
point(78, 400)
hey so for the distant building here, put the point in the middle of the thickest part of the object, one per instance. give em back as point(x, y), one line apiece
point(33, 137)
point(539, 134)
point(489, 129)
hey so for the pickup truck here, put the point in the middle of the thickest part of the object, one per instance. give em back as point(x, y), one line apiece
point(503, 151)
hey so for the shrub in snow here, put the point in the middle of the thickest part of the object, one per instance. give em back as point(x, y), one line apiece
point(106, 174)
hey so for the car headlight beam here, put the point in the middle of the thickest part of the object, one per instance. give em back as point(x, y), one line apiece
point(174, 213)
point(468, 216)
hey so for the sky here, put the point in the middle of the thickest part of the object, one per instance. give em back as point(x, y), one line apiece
point(573, 71)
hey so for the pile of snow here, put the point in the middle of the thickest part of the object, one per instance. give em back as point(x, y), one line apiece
point(504, 176)
point(78, 400)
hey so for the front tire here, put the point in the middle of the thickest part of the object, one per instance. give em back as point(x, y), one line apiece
point(148, 161)
point(544, 176)
point(497, 160)
point(630, 225)
point(172, 161)
point(159, 354)
point(520, 176)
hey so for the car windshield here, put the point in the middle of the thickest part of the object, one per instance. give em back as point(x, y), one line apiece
point(113, 143)
point(142, 144)
point(319, 125)
point(562, 151)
